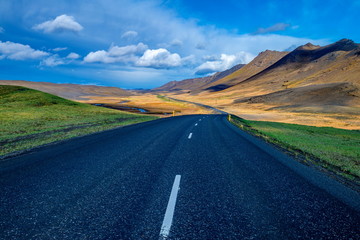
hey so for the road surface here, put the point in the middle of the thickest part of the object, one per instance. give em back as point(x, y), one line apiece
point(187, 177)
point(215, 110)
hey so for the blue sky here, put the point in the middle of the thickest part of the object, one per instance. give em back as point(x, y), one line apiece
point(144, 44)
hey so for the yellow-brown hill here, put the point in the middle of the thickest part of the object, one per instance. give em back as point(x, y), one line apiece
point(311, 85)
point(69, 91)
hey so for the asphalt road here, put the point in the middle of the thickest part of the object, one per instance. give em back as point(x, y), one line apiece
point(117, 185)
point(215, 110)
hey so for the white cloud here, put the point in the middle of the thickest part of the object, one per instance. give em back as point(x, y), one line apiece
point(157, 25)
point(59, 49)
point(129, 34)
point(99, 56)
point(115, 54)
point(17, 51)
point(73, 56)
point(59, 24)
point(176, 43)
point(274, 28)
point(2, 30)
point(223, 63)
point(116, 51)
point(52, 61)
point(159, 58)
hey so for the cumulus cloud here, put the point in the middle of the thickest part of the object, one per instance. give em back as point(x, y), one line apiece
point(52, 61)
point(73, 56)
point(56, 60)
point(59, 49)
point(59, 24)
point(17, 51)
point(129, 34)
point(274, 28)
point(121, 16)
point(159, 58)
point(115, 54)
point(2, 30)
point(223, 63)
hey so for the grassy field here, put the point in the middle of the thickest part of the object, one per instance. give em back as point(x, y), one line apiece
point(30, 118)
point(333, 148)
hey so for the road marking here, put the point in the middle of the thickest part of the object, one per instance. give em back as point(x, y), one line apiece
point(195, 124)
point(165, 228)
point(190, 135)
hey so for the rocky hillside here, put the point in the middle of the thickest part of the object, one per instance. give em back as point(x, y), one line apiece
point(307, 68)
point(262, 61)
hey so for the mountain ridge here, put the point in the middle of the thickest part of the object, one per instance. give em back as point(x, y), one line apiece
point(315, 85)
point(196, 84)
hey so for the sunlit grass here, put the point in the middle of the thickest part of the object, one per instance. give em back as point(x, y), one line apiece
point(31, 118)
point(338, 149)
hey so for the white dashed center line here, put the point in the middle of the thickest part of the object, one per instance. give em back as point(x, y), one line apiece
point(195, 124)
point(170, 209)
point(190, 135)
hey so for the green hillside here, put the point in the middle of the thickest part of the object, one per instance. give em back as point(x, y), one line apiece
point(29, 118)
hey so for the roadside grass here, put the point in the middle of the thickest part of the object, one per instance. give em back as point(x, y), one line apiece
point(184, 107)
point(166, 99)
point(335, 149)
point(30, 118)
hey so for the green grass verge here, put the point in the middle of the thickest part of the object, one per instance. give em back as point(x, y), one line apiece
point(30, 118)
point(333, 148)
point(166, 99)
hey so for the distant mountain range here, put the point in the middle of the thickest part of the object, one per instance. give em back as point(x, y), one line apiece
point(197, 84)
point(69, 91)
point(328, 75)
point(309, 75)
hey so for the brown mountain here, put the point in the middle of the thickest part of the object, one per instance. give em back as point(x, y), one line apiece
point(195, 85)
point(69, 91)
point(315, 85)
point(258, 64)
point(306, 66)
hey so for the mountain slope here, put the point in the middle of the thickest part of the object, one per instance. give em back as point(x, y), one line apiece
point(307, 65)
point(258, 64)
point(314, 85)
point(69, 91)
point(196, 84)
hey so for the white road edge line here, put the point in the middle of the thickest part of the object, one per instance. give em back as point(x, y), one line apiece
point(190, 135)
point(165, 228)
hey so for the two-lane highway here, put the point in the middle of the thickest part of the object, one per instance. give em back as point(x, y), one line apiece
point(188, 177)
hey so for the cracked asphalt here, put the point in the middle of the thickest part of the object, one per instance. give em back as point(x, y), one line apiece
point(116, 185)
